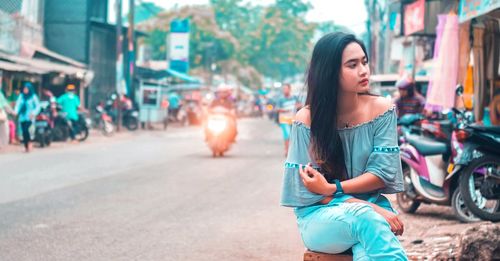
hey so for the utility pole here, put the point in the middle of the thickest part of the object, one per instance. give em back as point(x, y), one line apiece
point(119, 61)
point(131, 49)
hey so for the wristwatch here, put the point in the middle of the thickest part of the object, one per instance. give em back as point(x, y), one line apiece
point(339, 190)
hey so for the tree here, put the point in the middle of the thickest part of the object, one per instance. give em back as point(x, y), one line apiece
point(244, 40)
point(157, 39)
point(281, 43)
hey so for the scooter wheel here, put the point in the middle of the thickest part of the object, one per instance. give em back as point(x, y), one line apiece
point(471, 180)
point(461, 211)
point(405, 202)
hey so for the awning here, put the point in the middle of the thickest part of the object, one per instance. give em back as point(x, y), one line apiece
point(34, 51)
point(40, 66)
point(149, 73)
point(182, 76)
point(13, 67)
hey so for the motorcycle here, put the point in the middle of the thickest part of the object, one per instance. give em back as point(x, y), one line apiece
point(194, 113)
point(130, 116)
point(43, 128)
point(479, 165)
point(220, 130)
point(409, 124)
point(427, 162)
point(62, 127)
point(131, 119)
point(103, 121)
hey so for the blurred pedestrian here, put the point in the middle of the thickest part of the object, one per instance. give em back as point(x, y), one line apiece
point(5, 110)
point(27, 107)
point(287, 107)
point(409, 101)
point(174, 101)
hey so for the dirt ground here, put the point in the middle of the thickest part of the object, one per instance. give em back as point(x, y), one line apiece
point(432, 233)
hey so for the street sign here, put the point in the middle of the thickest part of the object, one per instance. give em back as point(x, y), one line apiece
point(178, 45)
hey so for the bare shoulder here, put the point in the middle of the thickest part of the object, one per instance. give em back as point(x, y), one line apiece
point(304, 116)
point(377, 105)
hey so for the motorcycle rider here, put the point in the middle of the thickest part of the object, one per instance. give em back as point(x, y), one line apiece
point(224, 99)
point(70, 104)
point(409, 101)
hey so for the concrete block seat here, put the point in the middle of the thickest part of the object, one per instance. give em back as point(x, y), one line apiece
point(317, 256)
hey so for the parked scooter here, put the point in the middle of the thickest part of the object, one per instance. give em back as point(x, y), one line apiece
point(130, 115)
point(426, 163)
point(479, 167)
point(131, 119)
point(103, 121)
point(43, 128)
point(409, 124)
point(220, 130)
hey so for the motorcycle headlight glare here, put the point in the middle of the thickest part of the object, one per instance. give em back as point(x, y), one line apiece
point(216, 125)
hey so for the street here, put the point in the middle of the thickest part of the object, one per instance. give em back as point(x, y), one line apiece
point(159, 195)
point(154, 196)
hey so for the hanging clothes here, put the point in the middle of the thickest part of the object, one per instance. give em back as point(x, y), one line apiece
point(444, 77)
point(437, 44)
point(491, 52)
point(469, 88)
point(478, 71)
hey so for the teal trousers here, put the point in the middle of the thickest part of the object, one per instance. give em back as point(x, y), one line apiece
point(336, 227)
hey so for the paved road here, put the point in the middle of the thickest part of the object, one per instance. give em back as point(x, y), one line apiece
point(148, 196)
point(158, 195)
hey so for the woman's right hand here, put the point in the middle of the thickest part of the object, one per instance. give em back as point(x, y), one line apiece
point(397, 226)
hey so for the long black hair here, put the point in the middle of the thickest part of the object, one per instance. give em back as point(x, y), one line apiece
point(323, 86)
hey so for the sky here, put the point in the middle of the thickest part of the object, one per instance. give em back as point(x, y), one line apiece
point(351, 14)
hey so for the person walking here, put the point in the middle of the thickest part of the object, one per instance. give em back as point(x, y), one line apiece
point(287, 107)
point(27, 107)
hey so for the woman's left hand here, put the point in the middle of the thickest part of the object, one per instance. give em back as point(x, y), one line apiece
point(315, 181)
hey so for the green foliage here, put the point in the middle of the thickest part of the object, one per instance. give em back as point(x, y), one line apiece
point(243, 39)
point(157, 40)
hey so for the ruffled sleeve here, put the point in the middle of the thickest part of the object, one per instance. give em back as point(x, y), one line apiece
point(384, 161)
point(294, 193)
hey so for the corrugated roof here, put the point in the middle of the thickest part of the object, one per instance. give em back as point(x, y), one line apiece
point(42, 66)
point(12, 67)
point(31, 49)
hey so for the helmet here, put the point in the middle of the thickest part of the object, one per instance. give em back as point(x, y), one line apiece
point(404, 83)
point(70, 87)
point(223, 88)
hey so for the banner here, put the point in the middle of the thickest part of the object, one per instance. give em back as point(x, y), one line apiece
point(178, 46)
point(414, 17)
point(469, 9)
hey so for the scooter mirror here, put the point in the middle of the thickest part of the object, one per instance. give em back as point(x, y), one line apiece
point(460, 90)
